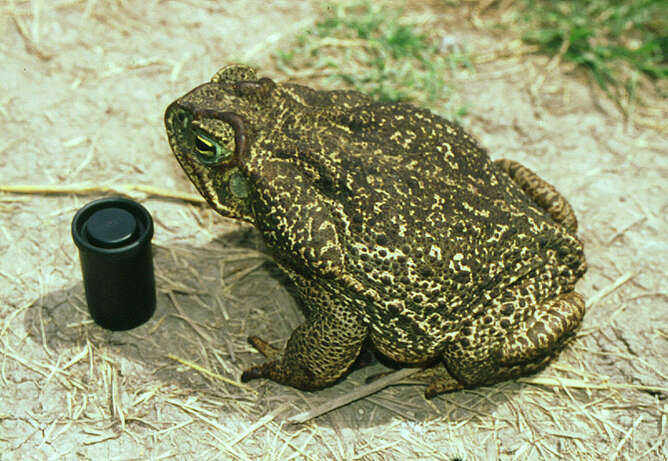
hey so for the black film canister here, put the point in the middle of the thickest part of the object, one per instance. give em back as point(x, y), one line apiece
point(114, 240)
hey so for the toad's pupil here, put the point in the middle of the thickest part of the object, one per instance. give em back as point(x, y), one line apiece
point(204, 147)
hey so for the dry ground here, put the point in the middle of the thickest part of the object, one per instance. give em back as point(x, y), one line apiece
point(83, 86)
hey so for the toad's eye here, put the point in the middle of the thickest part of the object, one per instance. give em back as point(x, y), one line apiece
point(205, 147)
point(215, 148)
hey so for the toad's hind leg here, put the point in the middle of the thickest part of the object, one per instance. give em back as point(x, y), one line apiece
point(541, 192)
point(319, 351)
point(480, 359)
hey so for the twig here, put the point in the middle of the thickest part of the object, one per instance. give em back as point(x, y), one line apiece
point(556, 59)
point(266, 419)
point(210, 373)
point(579, 384)
point(30, 45)
point(182, 315)
point(264, 45)
point(610, 288)
point(626, 438)
point(359, 393)
point(512, 50)
point(626, 229)
point(86, 189)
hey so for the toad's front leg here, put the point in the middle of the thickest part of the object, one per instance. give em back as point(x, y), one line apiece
point(318, 352)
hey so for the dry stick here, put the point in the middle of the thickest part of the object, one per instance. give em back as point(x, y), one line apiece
point(359, 393)
point(238, 275)
point(210, 373)
point(625, 229)
point(198, 413)
point(278, 432)
point(31, 48)
point(580, 384)
point(610, 288)
point(511, 52)
point(626, 438)
point(182, 315)
point(266, 419)
point(83, 189)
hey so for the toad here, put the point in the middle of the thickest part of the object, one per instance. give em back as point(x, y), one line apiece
point(395, 226)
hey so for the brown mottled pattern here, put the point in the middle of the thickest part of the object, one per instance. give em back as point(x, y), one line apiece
point(394, 224)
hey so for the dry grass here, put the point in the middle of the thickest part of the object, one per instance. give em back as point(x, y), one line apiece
point(82, 89)
point(91, 189)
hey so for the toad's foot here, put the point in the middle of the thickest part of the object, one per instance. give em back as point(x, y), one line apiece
point(272, 369)
point(263, 347)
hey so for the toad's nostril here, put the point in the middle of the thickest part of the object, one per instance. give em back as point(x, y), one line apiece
point(180, 118)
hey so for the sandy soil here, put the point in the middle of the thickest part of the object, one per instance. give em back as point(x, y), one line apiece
point(83, 87)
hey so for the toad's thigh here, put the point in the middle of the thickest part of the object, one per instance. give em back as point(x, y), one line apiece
point(410, 338)
point(511, 340)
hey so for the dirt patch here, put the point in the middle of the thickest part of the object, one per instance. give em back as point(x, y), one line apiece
point(83, 87)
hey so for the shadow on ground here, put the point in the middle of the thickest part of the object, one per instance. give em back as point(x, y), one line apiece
point(203, 320)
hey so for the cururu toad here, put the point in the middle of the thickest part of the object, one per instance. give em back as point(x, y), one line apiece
point(395, 226)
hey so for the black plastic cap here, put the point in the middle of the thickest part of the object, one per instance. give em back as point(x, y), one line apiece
point(114, 240)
